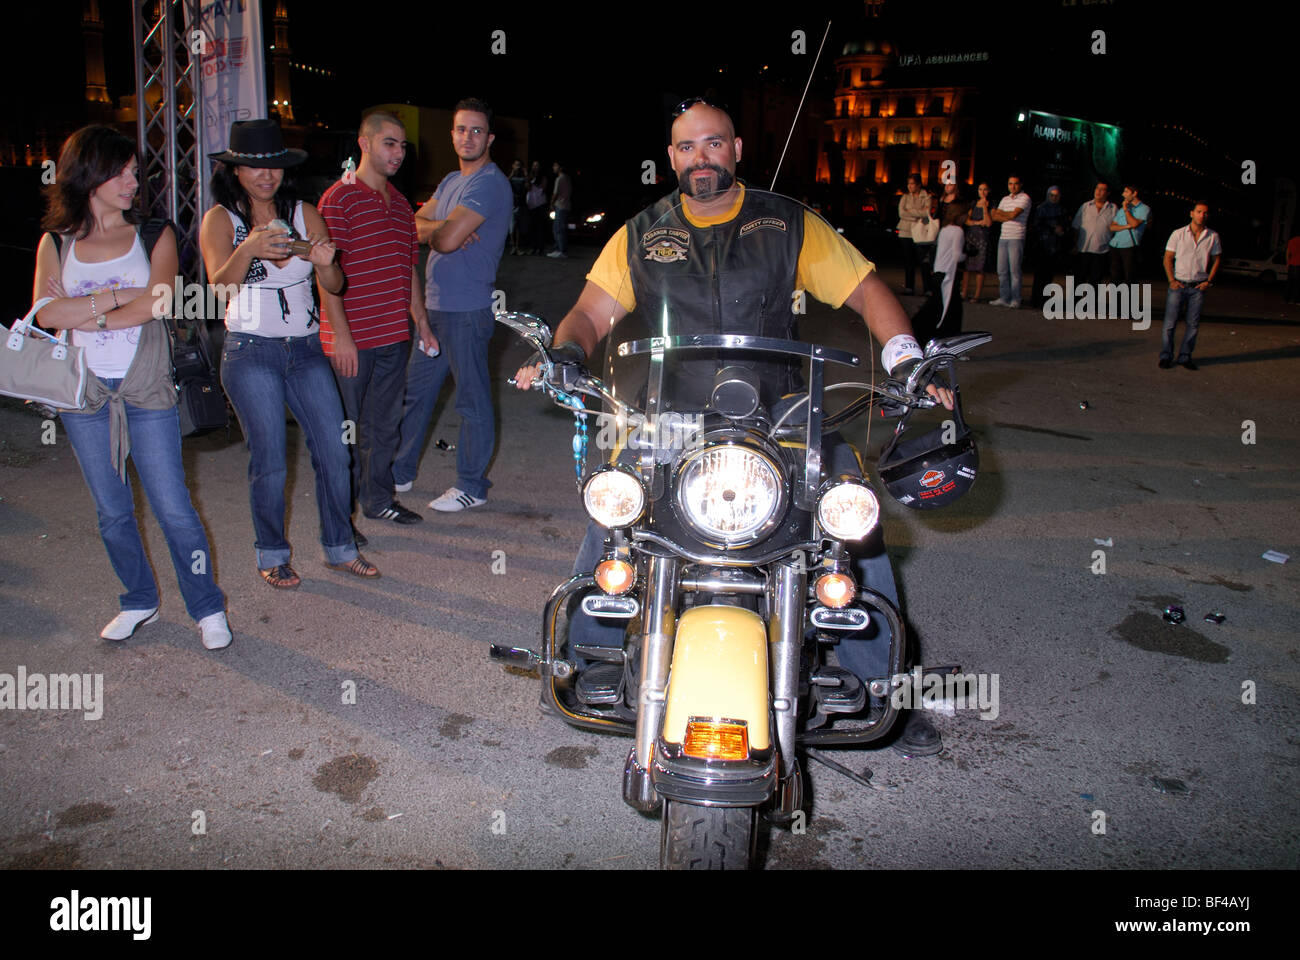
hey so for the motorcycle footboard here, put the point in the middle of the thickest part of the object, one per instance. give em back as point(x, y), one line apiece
point(881, 726)
point(552, 667)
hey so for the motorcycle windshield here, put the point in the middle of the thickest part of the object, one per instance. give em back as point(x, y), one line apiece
point(713, 297)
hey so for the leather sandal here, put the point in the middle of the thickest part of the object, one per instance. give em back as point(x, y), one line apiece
point(282, 577)
point(358, 566)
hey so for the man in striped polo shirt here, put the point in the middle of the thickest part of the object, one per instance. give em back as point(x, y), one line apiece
point(365, 330)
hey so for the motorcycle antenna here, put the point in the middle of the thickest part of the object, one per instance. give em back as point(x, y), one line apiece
point(799, 109)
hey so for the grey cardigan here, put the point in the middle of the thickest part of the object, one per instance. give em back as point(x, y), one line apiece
point(148, 381)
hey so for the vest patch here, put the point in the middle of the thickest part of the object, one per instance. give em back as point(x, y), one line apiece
point(666, 244)
point(773, 222)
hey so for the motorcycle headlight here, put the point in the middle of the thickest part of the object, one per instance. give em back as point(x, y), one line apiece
point(848, 510)
point(614, 498)
point(730, 493)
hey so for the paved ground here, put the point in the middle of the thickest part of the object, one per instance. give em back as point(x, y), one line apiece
point(444, 761)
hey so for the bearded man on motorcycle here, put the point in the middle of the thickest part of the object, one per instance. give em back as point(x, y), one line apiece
point(780, 249)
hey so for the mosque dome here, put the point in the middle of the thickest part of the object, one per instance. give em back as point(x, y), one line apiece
point(869, 46)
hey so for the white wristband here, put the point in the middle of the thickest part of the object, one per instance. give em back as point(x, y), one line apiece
point(900, 348)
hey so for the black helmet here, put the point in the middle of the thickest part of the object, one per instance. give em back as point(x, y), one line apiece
point(925, 472)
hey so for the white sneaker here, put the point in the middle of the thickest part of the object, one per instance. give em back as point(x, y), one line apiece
point(556, 255)
point(456, 499)
point(999, 302)
point(127, 622)
point(403, 487)
point(216, 632)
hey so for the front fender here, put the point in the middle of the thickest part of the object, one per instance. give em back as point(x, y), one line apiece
point(719, 670)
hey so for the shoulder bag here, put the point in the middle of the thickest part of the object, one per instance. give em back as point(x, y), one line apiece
point(200, 402)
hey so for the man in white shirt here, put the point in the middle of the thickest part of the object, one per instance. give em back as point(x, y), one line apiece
point(1093, 221)
point(1013, 214)
point(1191, 261)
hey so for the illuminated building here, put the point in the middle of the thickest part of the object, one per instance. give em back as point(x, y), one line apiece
point(888, 123)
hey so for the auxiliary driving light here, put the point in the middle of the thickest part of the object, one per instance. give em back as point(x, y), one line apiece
point(836, 590)
point(716, 739)
point(848, 510)
point(614, 497)
point(615, 576)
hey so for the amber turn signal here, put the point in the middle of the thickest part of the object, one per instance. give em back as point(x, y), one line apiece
point(835, 590)
point(615, 576)
point(716, 740)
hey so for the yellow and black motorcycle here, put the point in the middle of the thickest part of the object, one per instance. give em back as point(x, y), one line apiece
point(719, 569)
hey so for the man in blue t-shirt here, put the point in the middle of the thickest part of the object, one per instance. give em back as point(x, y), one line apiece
point(465, 226)
point(1125, 234)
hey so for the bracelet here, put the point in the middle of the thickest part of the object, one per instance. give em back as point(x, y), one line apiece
point(93, 315)
point(115, 303)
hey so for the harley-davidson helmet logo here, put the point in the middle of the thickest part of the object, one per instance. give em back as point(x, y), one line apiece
point(932, 478)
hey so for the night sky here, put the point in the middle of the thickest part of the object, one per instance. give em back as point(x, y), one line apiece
point(593, 79)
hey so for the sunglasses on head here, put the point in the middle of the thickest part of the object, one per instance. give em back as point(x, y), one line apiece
point(687, 104)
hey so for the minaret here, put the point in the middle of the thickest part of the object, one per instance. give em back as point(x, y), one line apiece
point(98, 105)
point(281, 104)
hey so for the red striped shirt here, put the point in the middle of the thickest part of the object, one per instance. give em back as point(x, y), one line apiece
point(378, 247)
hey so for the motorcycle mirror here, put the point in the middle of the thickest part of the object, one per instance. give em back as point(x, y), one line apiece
point(529, 326)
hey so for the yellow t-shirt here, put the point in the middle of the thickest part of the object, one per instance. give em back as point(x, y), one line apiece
point(829, 267)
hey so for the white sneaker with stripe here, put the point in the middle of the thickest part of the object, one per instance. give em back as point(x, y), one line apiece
point(456, 499)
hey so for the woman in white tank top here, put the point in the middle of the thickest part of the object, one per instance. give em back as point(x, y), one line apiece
point(94, 263)
point(272, 355)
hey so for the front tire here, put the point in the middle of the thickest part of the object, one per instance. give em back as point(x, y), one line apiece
point(706, 838)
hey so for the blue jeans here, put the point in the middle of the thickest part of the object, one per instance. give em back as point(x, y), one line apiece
point(1010, 253)
point(373, 401)
point(463, 338)
point(865, 653)
point(156, 451)
point(562, 230)
point(1173, 305)
point(261, 375)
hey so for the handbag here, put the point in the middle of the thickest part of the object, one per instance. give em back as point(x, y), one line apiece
point(200, 403)
point(42, 368)
point(925, 232)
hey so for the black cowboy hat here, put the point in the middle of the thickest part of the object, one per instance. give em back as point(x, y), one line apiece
point(259, 143)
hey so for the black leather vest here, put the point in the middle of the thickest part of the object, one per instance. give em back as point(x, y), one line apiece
point(736, 277)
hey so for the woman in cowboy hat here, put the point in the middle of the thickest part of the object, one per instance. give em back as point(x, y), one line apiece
point(272, 352)
point(100, 263)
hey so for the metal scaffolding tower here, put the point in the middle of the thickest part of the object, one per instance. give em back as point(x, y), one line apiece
point(169, 107)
